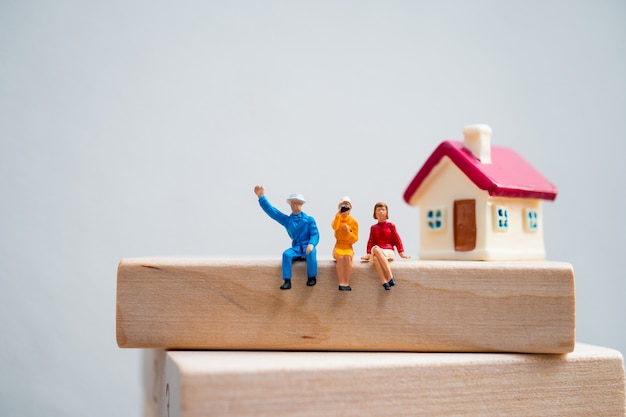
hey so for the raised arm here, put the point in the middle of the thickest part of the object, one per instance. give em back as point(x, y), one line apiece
point(271, 211)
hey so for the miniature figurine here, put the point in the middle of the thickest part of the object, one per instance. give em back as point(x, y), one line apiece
point(380, 246)
point(347, 233)
point(303, 232)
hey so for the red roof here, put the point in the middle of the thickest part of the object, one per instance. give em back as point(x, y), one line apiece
point(508, 174)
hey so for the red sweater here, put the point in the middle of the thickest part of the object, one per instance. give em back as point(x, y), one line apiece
point(385, 236)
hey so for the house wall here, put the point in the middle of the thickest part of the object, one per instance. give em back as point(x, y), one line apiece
point(516, 243)
point(447, 183)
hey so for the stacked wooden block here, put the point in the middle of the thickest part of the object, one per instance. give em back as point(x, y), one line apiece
point(451, 338)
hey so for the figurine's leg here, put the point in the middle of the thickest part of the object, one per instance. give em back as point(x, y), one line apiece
point(380, 259)
point(311, 268)
point(339, 267)
point(288, 256)
point(348, 270)
point(379, 270)
point(344, 270)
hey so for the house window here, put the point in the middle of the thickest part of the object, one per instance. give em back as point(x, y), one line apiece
point(434, 219)
point(501, 218)
point(530, 217)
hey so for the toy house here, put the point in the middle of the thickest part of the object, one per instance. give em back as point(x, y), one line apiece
point(479, 202)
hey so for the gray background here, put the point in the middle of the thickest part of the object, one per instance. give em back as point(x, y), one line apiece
point(139, 128)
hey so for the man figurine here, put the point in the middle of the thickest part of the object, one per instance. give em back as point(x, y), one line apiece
point(303, 232)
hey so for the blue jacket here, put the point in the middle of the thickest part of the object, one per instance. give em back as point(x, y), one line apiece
point(301, 228)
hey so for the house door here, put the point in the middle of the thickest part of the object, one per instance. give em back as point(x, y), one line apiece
point(464, 225)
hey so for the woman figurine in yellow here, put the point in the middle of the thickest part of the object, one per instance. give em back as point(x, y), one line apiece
point(347, 233)
point(380, 246)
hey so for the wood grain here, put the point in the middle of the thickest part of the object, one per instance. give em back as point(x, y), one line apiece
point(443, 306)
point(587, 382)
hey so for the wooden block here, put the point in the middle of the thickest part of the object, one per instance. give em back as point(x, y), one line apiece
point(153, 381)
point(587, 382)
point(443, 306)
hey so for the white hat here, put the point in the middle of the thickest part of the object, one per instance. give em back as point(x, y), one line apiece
point(297, 197)
point(346, 199)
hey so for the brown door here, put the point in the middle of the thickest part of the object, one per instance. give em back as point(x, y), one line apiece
point(464, 225)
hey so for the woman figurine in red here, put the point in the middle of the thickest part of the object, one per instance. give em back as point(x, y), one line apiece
point(380, 246)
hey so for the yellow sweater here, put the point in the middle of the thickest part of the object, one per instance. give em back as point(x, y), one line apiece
point(345, 238)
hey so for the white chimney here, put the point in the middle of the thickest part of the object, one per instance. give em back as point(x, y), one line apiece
point(478, 142)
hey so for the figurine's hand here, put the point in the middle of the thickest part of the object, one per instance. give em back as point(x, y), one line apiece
point(259, 190)
point(309, 248)
point(366, 257)
point(404, 255)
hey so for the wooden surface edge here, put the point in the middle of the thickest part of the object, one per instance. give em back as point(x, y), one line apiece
point(120, 334)
point(153, 376)
point(139, 277)
point(588, 381)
